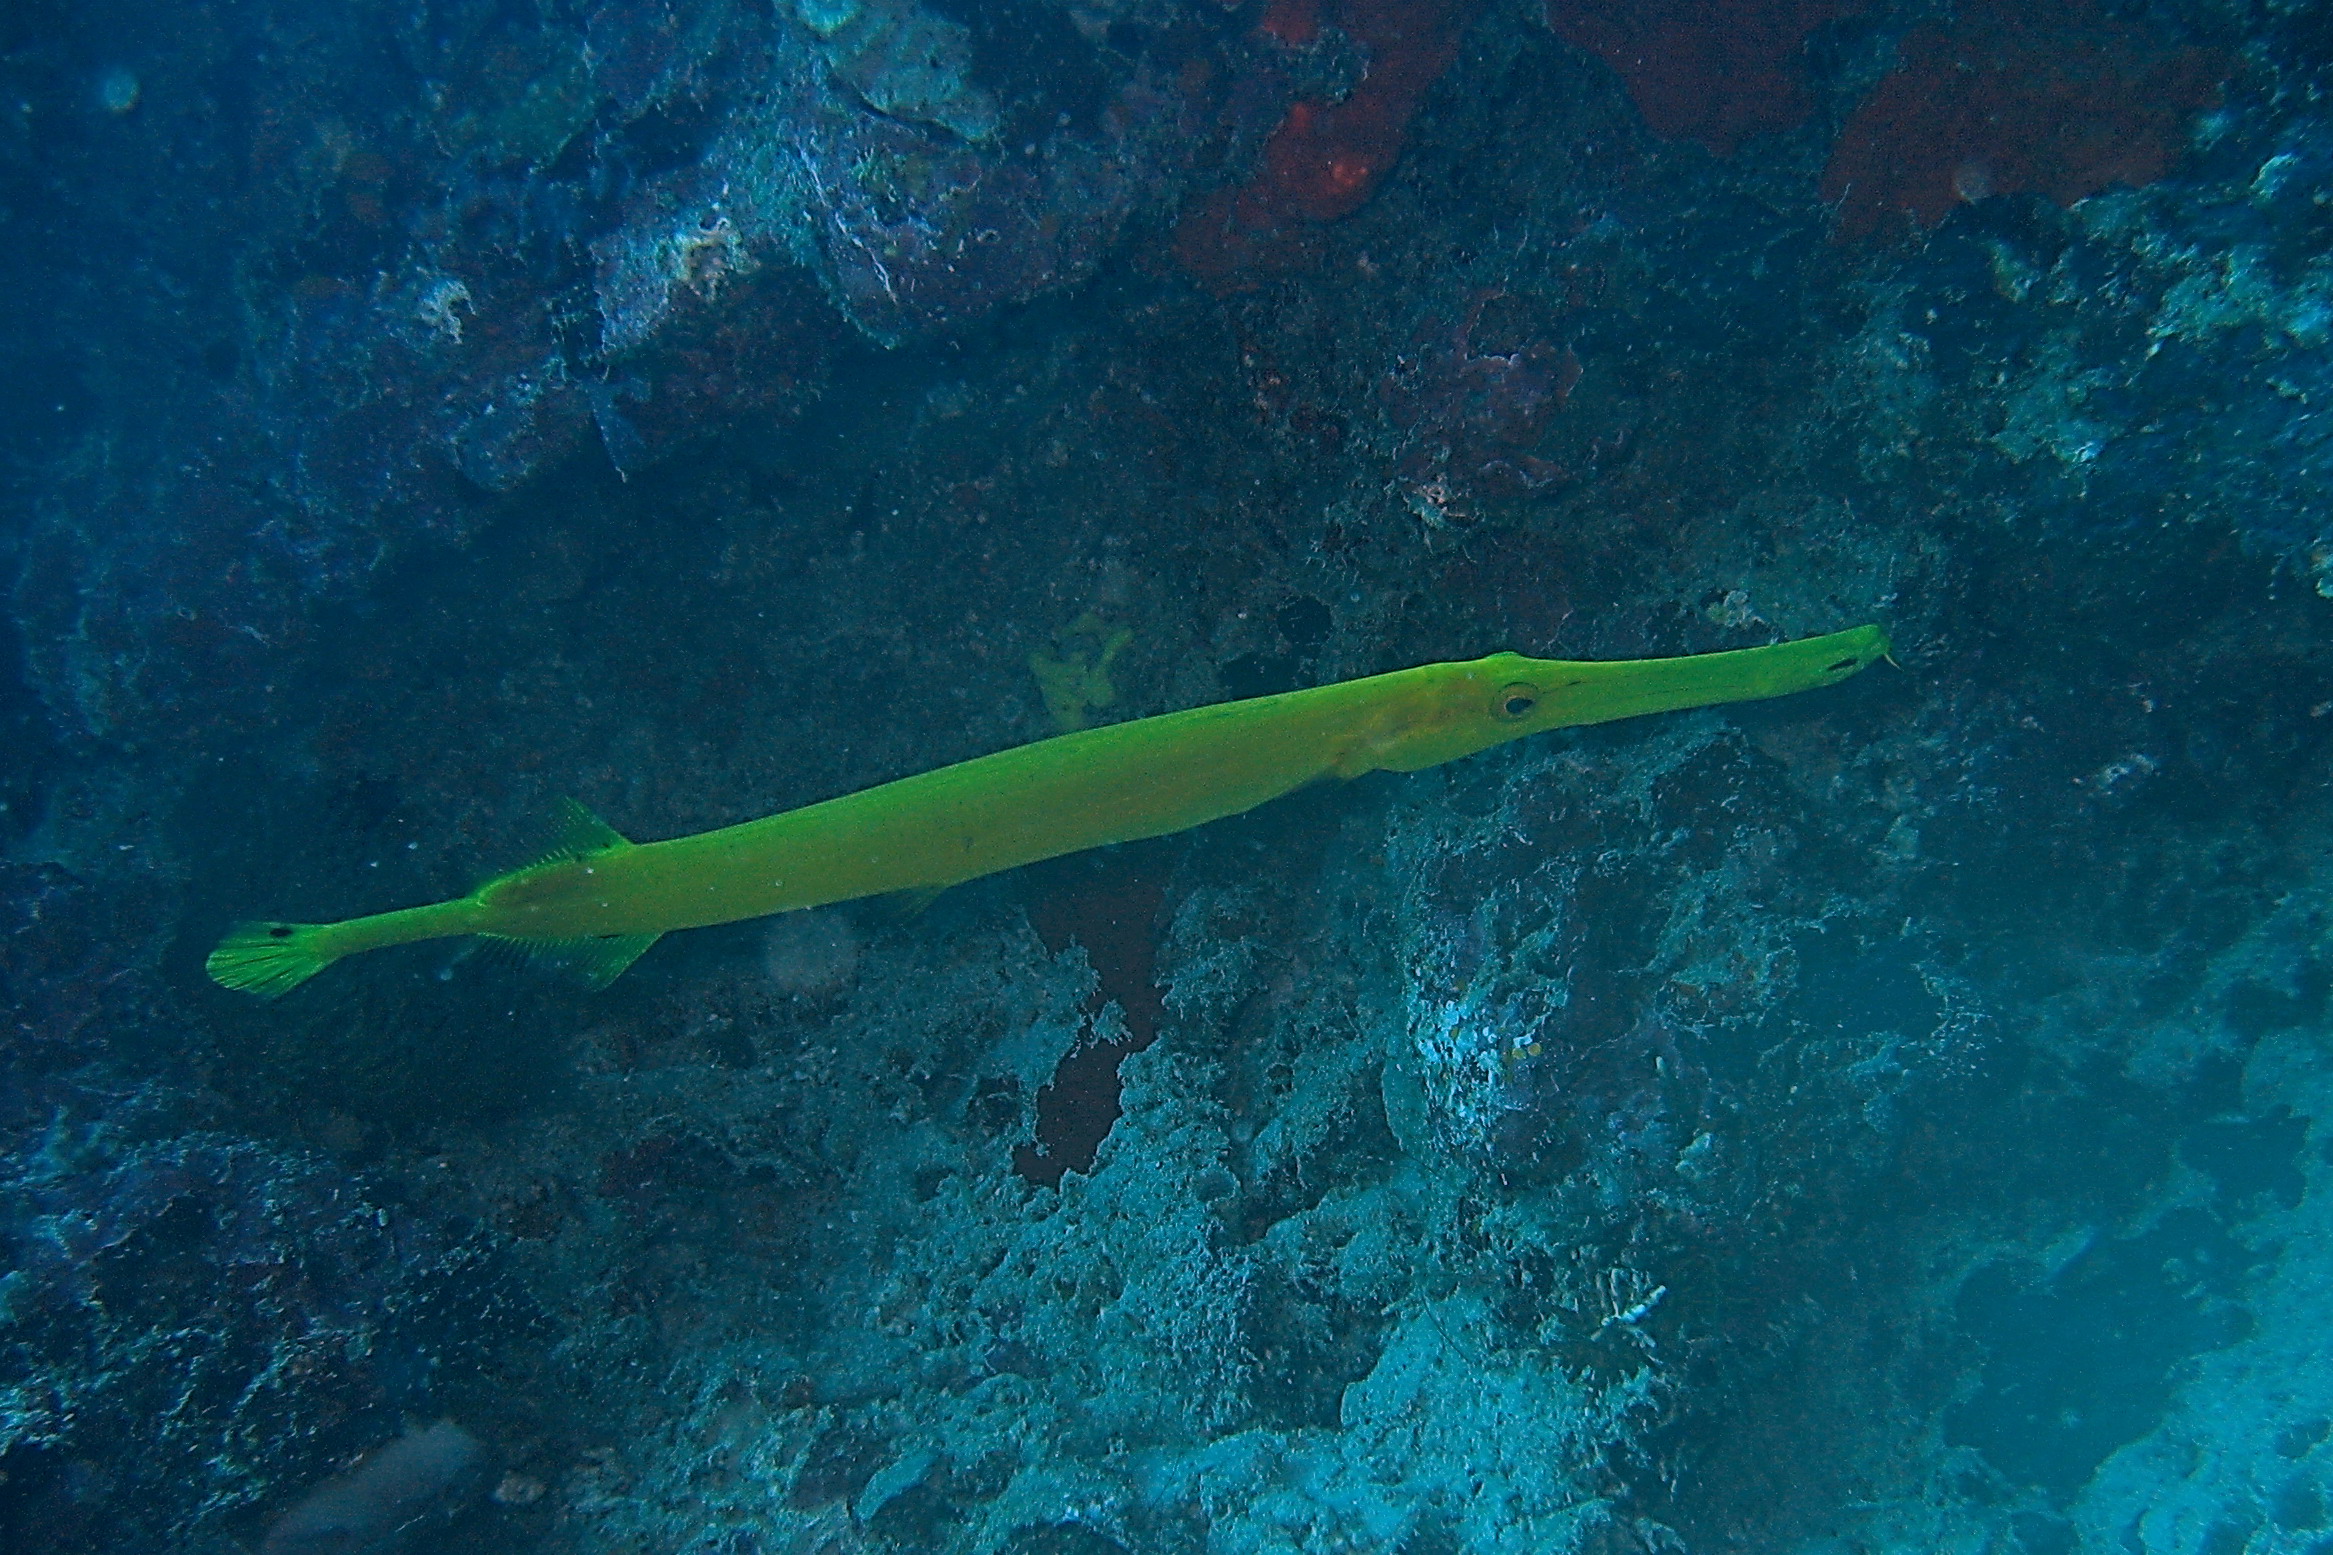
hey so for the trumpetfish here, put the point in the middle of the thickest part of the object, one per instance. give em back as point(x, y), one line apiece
point(597, 901)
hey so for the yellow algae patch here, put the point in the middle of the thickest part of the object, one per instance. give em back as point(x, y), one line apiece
point(1075, 680)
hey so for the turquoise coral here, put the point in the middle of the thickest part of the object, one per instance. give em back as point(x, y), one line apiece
point(901, 60)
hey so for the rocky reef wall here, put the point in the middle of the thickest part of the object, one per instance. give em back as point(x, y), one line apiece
point(1890, 1118)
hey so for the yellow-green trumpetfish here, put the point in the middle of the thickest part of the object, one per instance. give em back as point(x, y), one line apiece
point(598, 901)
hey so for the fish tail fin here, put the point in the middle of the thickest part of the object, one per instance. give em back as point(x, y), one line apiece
point(268, 959)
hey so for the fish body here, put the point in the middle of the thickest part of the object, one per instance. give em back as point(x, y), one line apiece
point(600, 900)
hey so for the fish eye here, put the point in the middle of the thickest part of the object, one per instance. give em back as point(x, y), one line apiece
point(1515, 701)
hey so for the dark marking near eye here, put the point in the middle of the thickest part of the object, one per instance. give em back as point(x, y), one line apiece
point(280, 931)
point(1843, 664)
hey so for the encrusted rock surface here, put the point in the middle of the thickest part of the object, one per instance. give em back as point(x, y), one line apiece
point(1893, 1118)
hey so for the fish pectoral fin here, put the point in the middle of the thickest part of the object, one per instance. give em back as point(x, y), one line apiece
point(599, 959)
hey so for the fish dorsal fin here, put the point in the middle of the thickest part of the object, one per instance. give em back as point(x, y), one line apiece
point(577, 833)
point(598, 959)
point(571, 832)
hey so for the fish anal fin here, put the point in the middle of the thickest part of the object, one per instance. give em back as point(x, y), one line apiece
point(906, 906)
point(598, 959)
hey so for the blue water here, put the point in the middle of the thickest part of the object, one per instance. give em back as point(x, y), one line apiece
point(1889, 1118)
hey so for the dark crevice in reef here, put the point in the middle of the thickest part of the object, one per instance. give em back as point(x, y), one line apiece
point(1109, 906)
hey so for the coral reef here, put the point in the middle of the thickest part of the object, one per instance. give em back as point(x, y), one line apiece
point(1462, 420)
point(1327, 154)
point(905, 62)
point(2062, 103)
point(619, 230)
point(1715, 71)
point(76, 971)
point(1894, 1119)
point(194, 1328)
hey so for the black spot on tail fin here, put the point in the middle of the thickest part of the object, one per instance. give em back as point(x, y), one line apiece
point(267, 959)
